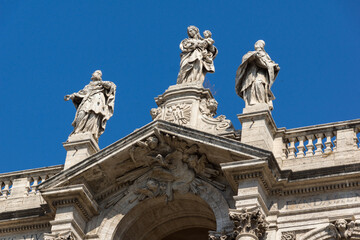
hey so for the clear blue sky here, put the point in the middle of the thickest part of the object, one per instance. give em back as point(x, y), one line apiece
point(50, 48)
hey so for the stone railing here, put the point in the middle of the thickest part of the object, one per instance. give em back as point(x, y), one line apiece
point(24, 183)
point(318, 140)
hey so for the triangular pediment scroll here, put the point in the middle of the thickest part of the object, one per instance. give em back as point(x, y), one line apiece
point(164, 165)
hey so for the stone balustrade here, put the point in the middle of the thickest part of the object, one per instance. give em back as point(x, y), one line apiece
point(318, 140)
point(24, 183)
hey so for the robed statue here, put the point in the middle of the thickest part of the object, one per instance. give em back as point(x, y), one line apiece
point(255, 76)
point(94, 106)
point(197, 57)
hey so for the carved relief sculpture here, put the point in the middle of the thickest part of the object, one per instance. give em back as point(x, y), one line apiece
point(288, 236)
point(155, 113)
point(197, 57)
point(60, 236)
point(340, 229)
point(208, 109)
point(178, 113)
point(344, 229)
point(255, 76)
point(167, 166)
point(94, 106)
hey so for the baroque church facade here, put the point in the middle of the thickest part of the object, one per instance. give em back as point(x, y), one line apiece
point(189, 174)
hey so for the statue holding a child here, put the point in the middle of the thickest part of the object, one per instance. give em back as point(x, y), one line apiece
point(197, 57)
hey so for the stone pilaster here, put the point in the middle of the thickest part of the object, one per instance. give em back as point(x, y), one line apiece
point(74, 207)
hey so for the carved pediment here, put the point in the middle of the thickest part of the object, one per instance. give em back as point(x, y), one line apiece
point(156, 160)
point(166, 165)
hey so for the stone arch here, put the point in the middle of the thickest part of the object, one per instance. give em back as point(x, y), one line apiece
point(210, 196)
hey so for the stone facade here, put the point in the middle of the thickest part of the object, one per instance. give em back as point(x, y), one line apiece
point(190, 175)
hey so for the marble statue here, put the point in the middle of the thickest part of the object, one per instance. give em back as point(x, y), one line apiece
point(255, 76)
point(94, 106)
point(197, 57)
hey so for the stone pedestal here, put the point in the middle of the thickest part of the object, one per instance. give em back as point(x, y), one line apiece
point(78, 147)
point(258, 127)
point(193, 106)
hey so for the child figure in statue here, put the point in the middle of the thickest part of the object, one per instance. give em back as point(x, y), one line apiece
point(209, 47)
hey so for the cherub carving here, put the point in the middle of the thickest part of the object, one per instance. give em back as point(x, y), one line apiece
point(344, 228)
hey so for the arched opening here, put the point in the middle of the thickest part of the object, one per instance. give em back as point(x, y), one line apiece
point(186, 217)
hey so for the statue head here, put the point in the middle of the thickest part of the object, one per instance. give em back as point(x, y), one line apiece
point(152, 142)
point(259, 45)
point(152, 185)
point(212, 104)
point(154, 112)
point(96, 76)
point(193, 32)
point(341, 224)
point(207, 34)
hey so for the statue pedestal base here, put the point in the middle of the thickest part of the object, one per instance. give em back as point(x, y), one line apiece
point(258, 128)
point(193, 106)
point(79, 146)
point(256, 108)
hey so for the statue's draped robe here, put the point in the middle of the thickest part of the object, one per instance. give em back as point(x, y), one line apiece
point(95, 105)
point(192, 65)
point(254, 78)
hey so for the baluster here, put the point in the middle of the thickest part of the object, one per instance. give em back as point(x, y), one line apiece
point(319, 145)
point(28, 187)
point(43, 178)
point(6, 190)
point(310, 146)
point(292, 148)
point(285, 151)
point(301, 146)
point(328, 143)
point(1, 185)
point(356, 139)
point(34, 186)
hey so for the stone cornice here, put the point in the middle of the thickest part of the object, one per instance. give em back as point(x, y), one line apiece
point(184, 88)
point(46, 170)
point(30, 212)
point(24, 227)
point(285, 183)
point(76, 195)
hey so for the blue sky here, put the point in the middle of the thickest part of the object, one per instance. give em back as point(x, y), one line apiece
point(50, 48)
